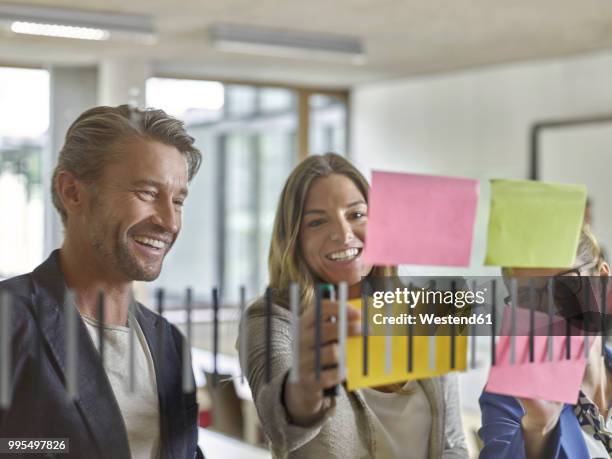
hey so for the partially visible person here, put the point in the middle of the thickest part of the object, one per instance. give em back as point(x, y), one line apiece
point(318, 236)
point(119, 185)
point(588, 220)
point(517, 428)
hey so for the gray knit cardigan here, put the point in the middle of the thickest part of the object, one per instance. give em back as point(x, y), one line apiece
point(347, 428)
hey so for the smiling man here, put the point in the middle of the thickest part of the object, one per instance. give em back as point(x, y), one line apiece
point(119, 186)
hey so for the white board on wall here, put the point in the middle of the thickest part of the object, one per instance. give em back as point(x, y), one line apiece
point(583, 154)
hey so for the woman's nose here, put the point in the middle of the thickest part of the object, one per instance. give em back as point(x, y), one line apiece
point(343, 233)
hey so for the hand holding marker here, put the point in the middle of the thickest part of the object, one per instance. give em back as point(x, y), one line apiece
point(318, 362)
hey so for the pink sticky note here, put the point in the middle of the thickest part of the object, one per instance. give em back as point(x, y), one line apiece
point(420, 220)
point(556, 380)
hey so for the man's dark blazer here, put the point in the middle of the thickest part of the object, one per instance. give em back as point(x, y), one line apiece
point(93, 422)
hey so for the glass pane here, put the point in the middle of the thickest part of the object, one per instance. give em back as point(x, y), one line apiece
point(193, 101)
point(278, 156)
point(228, 217)
point(327, 124)
point(240, 234)
point(24, 120)
point(194, 259)
point(240, 100)
point(276, 99)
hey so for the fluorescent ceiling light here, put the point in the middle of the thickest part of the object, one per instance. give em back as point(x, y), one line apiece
point(54, 30)
point(83, 25)
point(286, 43)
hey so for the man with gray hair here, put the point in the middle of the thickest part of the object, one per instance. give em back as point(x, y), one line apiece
point(119, 186)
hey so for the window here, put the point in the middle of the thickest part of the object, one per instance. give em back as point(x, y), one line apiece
point(24, 122)
point(249, 145)
point(327, 124)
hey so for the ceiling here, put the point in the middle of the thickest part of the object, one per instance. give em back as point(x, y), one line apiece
point(402, 37)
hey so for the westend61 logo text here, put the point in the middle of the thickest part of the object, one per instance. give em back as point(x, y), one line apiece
point(412, 298)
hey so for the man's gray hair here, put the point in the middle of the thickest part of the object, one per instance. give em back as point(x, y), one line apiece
point(91, 142)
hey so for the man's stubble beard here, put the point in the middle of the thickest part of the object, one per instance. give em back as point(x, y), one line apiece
point(128, 264)
point(120, 257)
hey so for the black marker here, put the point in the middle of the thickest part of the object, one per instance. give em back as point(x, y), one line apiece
point(326, 293)
point(365, 293)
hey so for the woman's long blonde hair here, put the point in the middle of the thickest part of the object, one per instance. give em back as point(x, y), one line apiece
point(286, 263)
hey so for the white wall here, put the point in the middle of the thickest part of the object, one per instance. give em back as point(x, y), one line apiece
point(474, 123)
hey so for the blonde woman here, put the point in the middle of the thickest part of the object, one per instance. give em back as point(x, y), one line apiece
point(318, 236)
point(514, 428)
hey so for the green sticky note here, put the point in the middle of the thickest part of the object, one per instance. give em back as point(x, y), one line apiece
point(534, 224)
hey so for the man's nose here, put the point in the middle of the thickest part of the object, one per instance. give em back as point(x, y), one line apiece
point(167, 217)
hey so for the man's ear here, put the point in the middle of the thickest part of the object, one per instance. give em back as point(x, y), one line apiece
point(71, 191)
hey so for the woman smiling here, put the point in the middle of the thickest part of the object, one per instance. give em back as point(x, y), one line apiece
point(318, 236)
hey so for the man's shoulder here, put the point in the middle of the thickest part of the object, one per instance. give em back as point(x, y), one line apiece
point(20, 290)
point(18, 286)
point(45, 282)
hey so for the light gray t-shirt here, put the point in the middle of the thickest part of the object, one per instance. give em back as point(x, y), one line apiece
point(403, 422)
point(140, 409)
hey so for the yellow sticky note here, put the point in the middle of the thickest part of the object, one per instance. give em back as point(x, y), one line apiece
point(377, 374)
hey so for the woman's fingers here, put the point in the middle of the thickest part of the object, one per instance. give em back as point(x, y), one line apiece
point(327, 378)
point(330, 311)
point(330, 316)
point(329, 333)
point(330, 356)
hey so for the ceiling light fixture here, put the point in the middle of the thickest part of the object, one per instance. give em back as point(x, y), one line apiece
point(54, 30)
point(82, 25)
point(286, 43)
